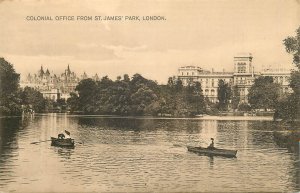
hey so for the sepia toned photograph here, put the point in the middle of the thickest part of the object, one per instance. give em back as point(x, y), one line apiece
point(149, 96)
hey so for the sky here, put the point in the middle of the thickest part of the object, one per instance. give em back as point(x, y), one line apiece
point(205, 33)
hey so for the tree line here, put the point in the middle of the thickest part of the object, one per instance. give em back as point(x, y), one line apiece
point(137, 96)
point(140, 96)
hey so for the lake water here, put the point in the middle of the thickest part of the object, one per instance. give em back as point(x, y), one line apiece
point(142, 155)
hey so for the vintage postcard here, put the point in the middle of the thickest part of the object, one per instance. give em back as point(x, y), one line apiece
point(149, 96)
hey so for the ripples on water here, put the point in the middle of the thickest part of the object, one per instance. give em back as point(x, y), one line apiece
point(139, 155)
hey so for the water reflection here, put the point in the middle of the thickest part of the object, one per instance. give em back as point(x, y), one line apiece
point(65, 152)
point(8, 148)
point(9, 128)
point(135, 154)
point(211, 162)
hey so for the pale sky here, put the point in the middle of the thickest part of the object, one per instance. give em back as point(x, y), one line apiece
point(206, 33)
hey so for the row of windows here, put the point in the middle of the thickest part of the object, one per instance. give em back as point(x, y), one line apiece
point(241, 80)
point(209, 82)
point(212, 92)
point(182, 73)
point(242, 69)
point(242, 91)
point(280, 79)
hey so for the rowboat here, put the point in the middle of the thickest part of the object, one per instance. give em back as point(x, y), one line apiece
point(212, 152)
point(68, 142)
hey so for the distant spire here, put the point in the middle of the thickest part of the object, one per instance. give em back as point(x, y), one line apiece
point(29, 77)
point(96, 77)
point(84, 76)
point(47, 72)
point(41, 72)
point(68, 70)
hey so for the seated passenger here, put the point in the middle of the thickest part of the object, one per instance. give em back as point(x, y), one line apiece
point(61, 136)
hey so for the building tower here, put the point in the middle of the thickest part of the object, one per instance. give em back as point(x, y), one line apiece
point(243, 75)
point(243, 63)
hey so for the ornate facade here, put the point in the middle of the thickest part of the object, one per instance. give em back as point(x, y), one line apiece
point(54, 86)
point(243, 77)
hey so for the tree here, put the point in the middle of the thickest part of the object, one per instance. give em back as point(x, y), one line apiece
point(183, 100)
point(10, 102)
point(61, 103)
point(143, 101)
point(199, 98)
point(87, 89)
point(137, 96)
point(264, 94)
point(224, 95)
point(73, 102)
point(144, 97)
point(286, 108)
point(33, 99)
point(194, 98)
point(244, 107)
point(289, 108)
point(235, 97)
point(292, 46)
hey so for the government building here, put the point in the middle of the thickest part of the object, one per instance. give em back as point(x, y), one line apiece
point(54, 86)
point(243, 77)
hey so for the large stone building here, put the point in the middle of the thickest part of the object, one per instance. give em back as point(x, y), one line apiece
point(243, 77)
point(54, 86)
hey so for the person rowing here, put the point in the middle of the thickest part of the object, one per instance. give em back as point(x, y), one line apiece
point(212, 144)
point(67, 132)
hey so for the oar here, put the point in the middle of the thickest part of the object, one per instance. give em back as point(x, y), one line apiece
point(180, 144)
point(39, 141)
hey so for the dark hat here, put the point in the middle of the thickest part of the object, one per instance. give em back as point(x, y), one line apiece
point(212, 138)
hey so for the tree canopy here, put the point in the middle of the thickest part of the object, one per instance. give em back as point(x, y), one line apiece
point(33, 99)
point(289, 108)
point(292, 46)
point(224, 94)
point(10, 102)
point(137, 96)
point(264, 93)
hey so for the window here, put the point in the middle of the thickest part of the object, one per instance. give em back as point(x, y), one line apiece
point(206, 92)
point(286, 79)
point(241, 67)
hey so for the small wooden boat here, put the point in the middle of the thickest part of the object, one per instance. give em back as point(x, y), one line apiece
point(68, 142)
point(212, 152)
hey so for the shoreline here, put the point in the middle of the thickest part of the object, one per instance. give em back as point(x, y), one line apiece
point(205, 117)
